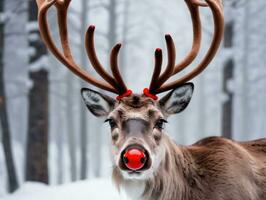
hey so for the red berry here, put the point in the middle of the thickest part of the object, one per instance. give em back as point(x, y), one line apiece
point(134, 159)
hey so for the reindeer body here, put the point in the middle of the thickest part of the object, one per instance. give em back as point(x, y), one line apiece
point(212, 169)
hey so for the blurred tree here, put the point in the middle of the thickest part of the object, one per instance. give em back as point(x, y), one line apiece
point(11, 171)
point(37, 140)
point(57, 108)
point(228, 70)
point(83, 114)
point(202, 104)
point(112, 23)
point(245, 76)
point(125, 30)
point(97, 147)
point(70, 128)
point(60, 146)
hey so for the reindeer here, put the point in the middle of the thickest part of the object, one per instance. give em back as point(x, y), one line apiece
point(146, 162)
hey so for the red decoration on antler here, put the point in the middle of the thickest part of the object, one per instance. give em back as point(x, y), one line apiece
point(147, 93)
point(120, 97)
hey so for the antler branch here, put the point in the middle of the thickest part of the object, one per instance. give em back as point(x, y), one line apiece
point(157, 69)
point(217, 12)
point(171, 61)
point(196, 25)
point(115, 83)
point(66, 58)
point(114, 67)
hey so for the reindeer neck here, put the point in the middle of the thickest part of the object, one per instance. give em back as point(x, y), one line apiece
point(175, 175)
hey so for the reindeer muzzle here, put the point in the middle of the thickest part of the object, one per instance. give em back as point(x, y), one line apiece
point(135, 158)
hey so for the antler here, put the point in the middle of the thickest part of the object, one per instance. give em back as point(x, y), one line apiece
point(113, 84)
point(157, 84)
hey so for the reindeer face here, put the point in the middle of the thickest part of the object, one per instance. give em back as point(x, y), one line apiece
point(137, 122)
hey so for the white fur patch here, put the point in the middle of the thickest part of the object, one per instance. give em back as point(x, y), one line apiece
point(134, 185)
point(157, 158)
point(134, 189)
point(134, 115)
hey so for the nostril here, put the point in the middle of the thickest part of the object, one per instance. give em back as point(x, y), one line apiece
point(143, 160)
point(125, 159)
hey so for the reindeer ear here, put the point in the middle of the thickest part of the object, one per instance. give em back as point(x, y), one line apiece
point(177, 100)
point(100, 105)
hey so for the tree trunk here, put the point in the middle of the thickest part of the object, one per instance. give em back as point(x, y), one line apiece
point(60, 147)
point(97, 147)
point(83, 114)
point(112, 23)
point(11, 171)
point(202, 106)
point(227, 124)
point(228, 75)
point(125, 33)
point(70, 128)
point(37, 140)
point(245, 81)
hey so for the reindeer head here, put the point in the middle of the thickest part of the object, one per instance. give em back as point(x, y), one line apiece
point(136, 121)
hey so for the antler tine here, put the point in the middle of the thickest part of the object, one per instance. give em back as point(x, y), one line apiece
point(199, 3)
point(196, 25)
point(115, 70)
point(171, 61)
point(62, 7)
point(157, 69)
point(43, 6)
point(217, 12)
point(90, 48)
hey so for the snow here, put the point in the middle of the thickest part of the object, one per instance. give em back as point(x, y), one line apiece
point(2, 171)
point(98, 189)
point(34, 37)
point(41, 63)
point(5, 16)
point(32, 26)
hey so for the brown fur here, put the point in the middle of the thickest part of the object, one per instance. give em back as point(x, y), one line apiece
point(212, 169)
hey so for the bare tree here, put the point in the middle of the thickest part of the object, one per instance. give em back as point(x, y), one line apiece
point(125, 33)
point(70, 128)
point(245, 90)
point(228, 72)
point(112, 23)
point(83, 114)
point(96, 149)
point(60, 145)
point(202, 105)
point(37, 141)
point(12, 177)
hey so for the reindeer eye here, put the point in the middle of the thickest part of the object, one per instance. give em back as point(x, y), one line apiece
point(112, 123)
point(160, 124)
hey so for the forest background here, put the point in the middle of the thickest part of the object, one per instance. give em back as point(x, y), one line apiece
point(44, 123)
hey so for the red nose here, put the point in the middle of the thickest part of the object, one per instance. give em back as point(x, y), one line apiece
point(134, 159)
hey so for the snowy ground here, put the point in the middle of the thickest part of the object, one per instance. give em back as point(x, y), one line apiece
point(100, 189)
